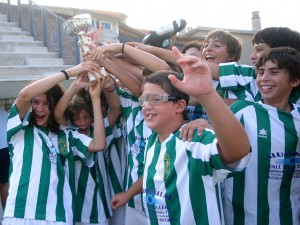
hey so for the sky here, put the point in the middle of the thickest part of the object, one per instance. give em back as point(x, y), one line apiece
point(226, 14)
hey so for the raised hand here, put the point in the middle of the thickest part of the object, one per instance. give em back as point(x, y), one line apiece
point(101, 52)
point(83, 67)
point(95, 35)
point(97, 86)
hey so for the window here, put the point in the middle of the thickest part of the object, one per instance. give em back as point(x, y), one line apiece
point(106, 26)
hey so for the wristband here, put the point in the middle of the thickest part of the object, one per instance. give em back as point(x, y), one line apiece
point(66, 74)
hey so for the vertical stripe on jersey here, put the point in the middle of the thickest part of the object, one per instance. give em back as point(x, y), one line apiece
point(150, 185)
point(129, 180)
point(43, 188)
point(114, 178)
point(285, 210)
point(102, 195)
point(82, 181)
point(197, 189)
point(170, 184)
point(94, 212)
point(263, 124)
point(238, 198)
point(60, 209)
point(20, 205)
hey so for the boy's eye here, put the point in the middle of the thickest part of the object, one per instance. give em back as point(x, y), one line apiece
point(156, 99)
point(260, 73)
point(86, 117)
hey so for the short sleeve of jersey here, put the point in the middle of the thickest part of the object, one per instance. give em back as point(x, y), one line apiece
point(238, 81)
point(14, 123)
point(212, 153)
point(233, 75)
point(78, 142)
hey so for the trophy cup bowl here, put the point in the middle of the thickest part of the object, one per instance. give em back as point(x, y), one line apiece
point(79, 25)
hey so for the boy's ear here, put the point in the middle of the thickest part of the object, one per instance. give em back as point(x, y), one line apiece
point(180, 106)
point(231, 57)
point(295, 83)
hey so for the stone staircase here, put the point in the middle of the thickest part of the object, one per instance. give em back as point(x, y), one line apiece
point(22, 59)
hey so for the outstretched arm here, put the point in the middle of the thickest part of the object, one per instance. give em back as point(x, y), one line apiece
point(99, 137)
point(145, 59)
point(80, 82)
point(113, 100)
point(232, 138)
point(161, 53)
point(126, 78)
point(39, 87)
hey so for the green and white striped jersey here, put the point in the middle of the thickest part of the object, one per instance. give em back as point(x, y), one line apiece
point(179, 184)
point(137, 133)
point(238, 82)
point(92, 189)
point(268, 191)
point(42, 185)
point(116, 160)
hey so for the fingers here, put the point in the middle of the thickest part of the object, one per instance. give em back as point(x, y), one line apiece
point(177, 83)
point(176, 52)
point(115, 202)
point(187, 132)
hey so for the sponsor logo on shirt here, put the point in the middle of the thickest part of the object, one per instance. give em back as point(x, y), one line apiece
point(283, 165)
point(156, 207)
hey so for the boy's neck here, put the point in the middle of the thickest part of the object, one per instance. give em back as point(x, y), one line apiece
point(173, 128)
point(284, 106)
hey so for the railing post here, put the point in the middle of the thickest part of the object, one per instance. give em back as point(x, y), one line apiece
point(31, 18)
point(8, 11)
point(60, 40)
point(45, 27)
point(19, 8)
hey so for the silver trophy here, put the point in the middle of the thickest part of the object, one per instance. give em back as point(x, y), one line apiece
point(80, 25)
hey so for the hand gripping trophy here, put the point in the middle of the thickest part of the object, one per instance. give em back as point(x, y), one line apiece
point(79, 25)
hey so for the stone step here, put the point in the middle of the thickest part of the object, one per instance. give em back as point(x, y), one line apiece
point(13, 33)
point(8, 24)
point(44, 61)
point(17, 38)
point(29, 49)
point(9, 45)
point(17, 59)
point(3, 18)
point(10, 88)
point(22, 59)
point(18, 71)
point(9, 29)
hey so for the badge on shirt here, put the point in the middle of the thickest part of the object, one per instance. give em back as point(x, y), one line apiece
point(164, 166)
point(53, 155)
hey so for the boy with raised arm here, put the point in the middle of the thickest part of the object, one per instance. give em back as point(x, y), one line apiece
point(178, 183)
